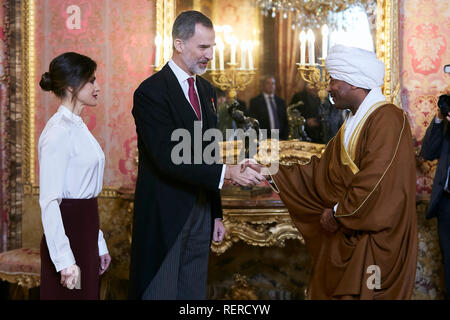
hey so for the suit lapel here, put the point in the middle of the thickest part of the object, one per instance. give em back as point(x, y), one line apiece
point(178, 100)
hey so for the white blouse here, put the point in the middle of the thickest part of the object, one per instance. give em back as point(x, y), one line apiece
point(71, 167)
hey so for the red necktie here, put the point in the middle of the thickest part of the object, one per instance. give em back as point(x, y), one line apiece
point(193, 98)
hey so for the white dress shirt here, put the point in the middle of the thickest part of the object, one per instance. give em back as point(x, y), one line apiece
point(71, 166)
point(182, 78)
point(269, 98)
point(372, 98)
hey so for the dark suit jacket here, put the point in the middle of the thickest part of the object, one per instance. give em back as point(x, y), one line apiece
point(165, 193)
point(258, 110)
point(436, 144)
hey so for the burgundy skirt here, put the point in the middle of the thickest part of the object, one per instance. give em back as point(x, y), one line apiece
point(81, 224)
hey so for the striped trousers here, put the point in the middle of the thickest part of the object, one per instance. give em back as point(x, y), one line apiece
point(183, 273)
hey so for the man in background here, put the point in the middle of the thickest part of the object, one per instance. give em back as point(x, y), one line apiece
point(436, 145)
point(270, 110)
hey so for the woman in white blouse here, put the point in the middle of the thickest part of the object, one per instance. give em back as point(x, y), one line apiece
point(71, 162)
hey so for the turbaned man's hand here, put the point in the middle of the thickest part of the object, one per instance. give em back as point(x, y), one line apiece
point(328, 222)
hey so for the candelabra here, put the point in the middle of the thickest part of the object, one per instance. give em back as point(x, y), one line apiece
point(232, 79)
point(316, 76)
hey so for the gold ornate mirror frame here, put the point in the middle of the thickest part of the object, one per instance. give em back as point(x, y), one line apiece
point(386, 48)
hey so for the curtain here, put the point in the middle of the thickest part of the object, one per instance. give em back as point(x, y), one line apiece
point(288, 54)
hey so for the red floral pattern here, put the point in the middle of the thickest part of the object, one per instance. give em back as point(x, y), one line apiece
point(118, 35)
point(424, 27)
point(426, 47)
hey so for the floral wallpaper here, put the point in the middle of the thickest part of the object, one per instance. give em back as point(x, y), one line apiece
point(424, 39)
point(118, 35)
point(424, 28)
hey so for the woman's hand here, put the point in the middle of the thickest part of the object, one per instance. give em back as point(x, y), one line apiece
point(70, 276)
point(105, 260)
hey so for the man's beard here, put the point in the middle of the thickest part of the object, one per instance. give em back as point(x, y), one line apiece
point(196, 69)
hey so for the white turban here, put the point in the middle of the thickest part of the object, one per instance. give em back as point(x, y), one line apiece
point(356, 66)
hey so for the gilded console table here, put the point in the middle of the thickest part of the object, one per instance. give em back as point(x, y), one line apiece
point(260, 220)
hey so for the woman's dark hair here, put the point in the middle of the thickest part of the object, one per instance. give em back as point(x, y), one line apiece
point(69, 69)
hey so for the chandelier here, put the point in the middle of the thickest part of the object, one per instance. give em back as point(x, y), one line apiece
point(308, 13)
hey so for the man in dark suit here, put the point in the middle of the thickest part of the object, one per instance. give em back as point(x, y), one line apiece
point(177, 207)
point(436, 145)
point(270, 110)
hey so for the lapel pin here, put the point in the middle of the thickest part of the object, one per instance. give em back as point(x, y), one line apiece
point(214, 107)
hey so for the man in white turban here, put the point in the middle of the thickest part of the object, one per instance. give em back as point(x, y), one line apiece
point(355, 205)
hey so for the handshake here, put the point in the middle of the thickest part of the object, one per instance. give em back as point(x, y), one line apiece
point(247, 173)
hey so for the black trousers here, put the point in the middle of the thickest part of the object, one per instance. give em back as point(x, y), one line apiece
point(444, 237)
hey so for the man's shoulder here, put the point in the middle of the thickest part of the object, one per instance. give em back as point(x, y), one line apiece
point(388, 114)
point(157, 82)
point(391, 109)
point(256, 98)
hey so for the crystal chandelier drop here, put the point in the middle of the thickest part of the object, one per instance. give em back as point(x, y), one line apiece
point(308, 13)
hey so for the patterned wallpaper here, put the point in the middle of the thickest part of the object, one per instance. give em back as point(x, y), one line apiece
point(424, 39)
point(118, 35)
point(3, 133)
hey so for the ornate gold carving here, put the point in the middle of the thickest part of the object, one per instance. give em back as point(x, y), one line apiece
point(387, 47)
point(289, 152)
point(232, 79)
point(28, 86)
point(25, 280)
point(256, 227)
point(316, 76)
point(241, 289)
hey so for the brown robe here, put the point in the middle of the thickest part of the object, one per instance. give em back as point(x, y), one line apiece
point(374, 184)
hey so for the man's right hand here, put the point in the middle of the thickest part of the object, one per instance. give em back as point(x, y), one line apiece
point(243, 176)
point(251, 163)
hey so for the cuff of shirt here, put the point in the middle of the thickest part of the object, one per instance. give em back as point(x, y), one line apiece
point(64, 261)
point(102, 248)
point(222, 176)
point(335, 208)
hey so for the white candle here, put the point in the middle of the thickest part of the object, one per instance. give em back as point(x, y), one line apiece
point(302, 48)
point(158, 41)
point(213, 60)
point(233, 42)
point(311, 40)
point(243, 52)
point(220, 46)
point(250, 54)
point(324, 41)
